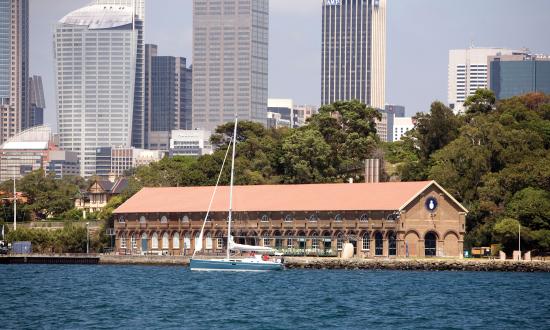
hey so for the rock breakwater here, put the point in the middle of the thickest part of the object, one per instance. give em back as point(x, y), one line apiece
point(480, 265)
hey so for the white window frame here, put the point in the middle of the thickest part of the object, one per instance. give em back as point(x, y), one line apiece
point(133, 241)
point(219, 243)
point(123, 242)
point(289, 218)
point(364, 218)
point(338, 218)
point(314, 242)
point(187, 241)
point(289, 243)
point(265, 218)
point(339, 243)
point(163, 219)
point(154, 241)
point(165, 241)
point(142, 219)
point(366, 242)
point(176, 240)
point(209, 242)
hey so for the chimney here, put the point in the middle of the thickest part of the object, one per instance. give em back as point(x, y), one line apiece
point(372, 170)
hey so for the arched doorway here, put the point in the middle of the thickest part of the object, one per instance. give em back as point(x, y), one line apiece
point(392, 243)
point(378, 244)
point(430, 244)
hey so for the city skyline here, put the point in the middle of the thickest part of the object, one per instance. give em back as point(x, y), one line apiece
point(295, 42)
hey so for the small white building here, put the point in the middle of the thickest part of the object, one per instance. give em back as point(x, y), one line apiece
point(401, 126)
point(190, 143)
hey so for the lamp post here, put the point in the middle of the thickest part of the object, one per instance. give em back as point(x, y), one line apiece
point(87, 239)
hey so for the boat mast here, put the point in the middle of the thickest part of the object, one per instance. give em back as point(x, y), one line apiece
point(231, 187)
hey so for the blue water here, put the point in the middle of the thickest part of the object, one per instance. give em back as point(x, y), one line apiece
point(75, 297)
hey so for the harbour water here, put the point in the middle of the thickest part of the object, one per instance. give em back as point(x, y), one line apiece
point(75, 297)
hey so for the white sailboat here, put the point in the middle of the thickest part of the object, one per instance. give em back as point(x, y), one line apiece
point(254, 263)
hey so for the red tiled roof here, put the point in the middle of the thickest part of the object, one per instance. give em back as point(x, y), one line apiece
point(307, 197)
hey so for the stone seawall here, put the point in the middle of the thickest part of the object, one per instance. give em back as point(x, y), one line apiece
point(144, 260)
point(482, 265)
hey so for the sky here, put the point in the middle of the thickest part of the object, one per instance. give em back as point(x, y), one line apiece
point(420, 34)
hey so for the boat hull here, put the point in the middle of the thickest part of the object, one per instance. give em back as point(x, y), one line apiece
point(233, 265)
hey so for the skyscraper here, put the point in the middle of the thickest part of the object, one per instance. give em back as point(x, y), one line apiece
point(138, 118)
point(353, 55)
point(150, 51)
point(14, 67)
point(468, 73)
point(37, 101)
point(95, 55)
point(513, 75)
point(170, 99)
point(230, 61)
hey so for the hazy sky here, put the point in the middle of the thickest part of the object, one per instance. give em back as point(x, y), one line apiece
point(420, 34)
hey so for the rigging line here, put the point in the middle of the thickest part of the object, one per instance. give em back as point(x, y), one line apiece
point(214, 193)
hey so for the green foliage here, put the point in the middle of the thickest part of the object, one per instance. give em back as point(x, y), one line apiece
point(532, 207)
point(306, 158)
point(70, 239)
point(494, 160)
point(47, 196)
point(506, 231)
point(482, 102)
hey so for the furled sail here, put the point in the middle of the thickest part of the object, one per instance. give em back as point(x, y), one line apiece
point(243, 247)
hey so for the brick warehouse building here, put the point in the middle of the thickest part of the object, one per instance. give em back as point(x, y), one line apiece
point(402, 219)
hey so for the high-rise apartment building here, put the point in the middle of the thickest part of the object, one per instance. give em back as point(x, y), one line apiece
point(14, 67)
point(95, 65)
point(138, 118)
point(230, 61)
point(171, 92)
point(353, 55)
point(37, 101)
point(513, 75)
point(468, 73)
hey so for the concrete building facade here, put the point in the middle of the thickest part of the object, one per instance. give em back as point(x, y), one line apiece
point(190, 143)
point(230, 61)
point(402, 126)
point(467, 72)
point(14, 68)
point(513, 75)
point(353, 55)
point(405, 219)
point(95, 65)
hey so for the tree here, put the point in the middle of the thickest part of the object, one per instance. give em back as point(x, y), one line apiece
point(531, 206)
point(506, 231)
point(434, 130)
point(482, 101)
point(306, 158)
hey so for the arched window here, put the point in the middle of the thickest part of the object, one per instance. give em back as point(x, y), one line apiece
point(121, 219)
point(430, 245)
point(164, 219)
point(314, 241)
point(187, 241)
point(165, 241)
point(289, 218)
point(289, 243)
point(176, 241)
point(338, 218)
point(267, 240)
point(392, 244)
point(364, 218)
point(378, 244)
point(197, 238)
point(313, 218)
point(209, 242)
point(366, 242)
point(123, 242)
point(142, 219)
point(155, 241)
point(144, 242)
point(133, 241)
point(185, 219)
point(265, 218)
point(339, 242)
